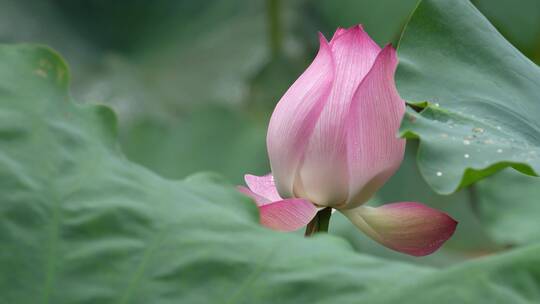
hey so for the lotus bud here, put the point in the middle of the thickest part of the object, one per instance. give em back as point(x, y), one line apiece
point(332, 142)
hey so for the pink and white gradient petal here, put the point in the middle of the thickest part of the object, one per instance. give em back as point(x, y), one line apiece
point(374, 151)
point(263, 186)
point(287, 215)
point(277, 213)
point(295, 116)
point(338, 32)
point(324, 171)
point(407, 227)
point(259, 200)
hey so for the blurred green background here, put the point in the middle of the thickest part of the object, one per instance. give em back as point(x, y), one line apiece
point(194, 82)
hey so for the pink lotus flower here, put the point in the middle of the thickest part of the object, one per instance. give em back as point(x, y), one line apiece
point(332, 143)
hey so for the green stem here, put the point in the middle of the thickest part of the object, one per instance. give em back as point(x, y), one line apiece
point(319, 223)
point(274, 26)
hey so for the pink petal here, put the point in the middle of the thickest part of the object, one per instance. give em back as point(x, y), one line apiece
point(324, 173)
point(295, 116)
point(259, 200)
point(263, 186)
point(287, 215)
point(407, 227)
point(337, 33)
point(282, 215)
point(374, 151)
point(354, 53)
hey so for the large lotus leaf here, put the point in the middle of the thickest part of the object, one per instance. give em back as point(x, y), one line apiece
point(511, 278)
point(482, 107)
point(79, 223)
point(518, 21)
point(509, 205)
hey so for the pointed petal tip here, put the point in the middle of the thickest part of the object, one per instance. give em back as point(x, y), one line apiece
point(321, 37)
point(353, 28)
point(249, 178)
point(389, 45)
point(339, 31)
point(263, 186)
point(426, 231)
point(357, 31)
point(389, 53)
point(355, 36)
point(357, 27)
point(407, 227)
point(323, 43)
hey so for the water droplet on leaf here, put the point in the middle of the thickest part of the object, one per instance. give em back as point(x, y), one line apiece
point(478, 130)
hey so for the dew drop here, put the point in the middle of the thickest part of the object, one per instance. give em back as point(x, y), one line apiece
point(498, 128)
point(466, 155)
point(41, 73)
point(478, 130)
point(439, 173)
point(499, 150)
point(466, 142)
